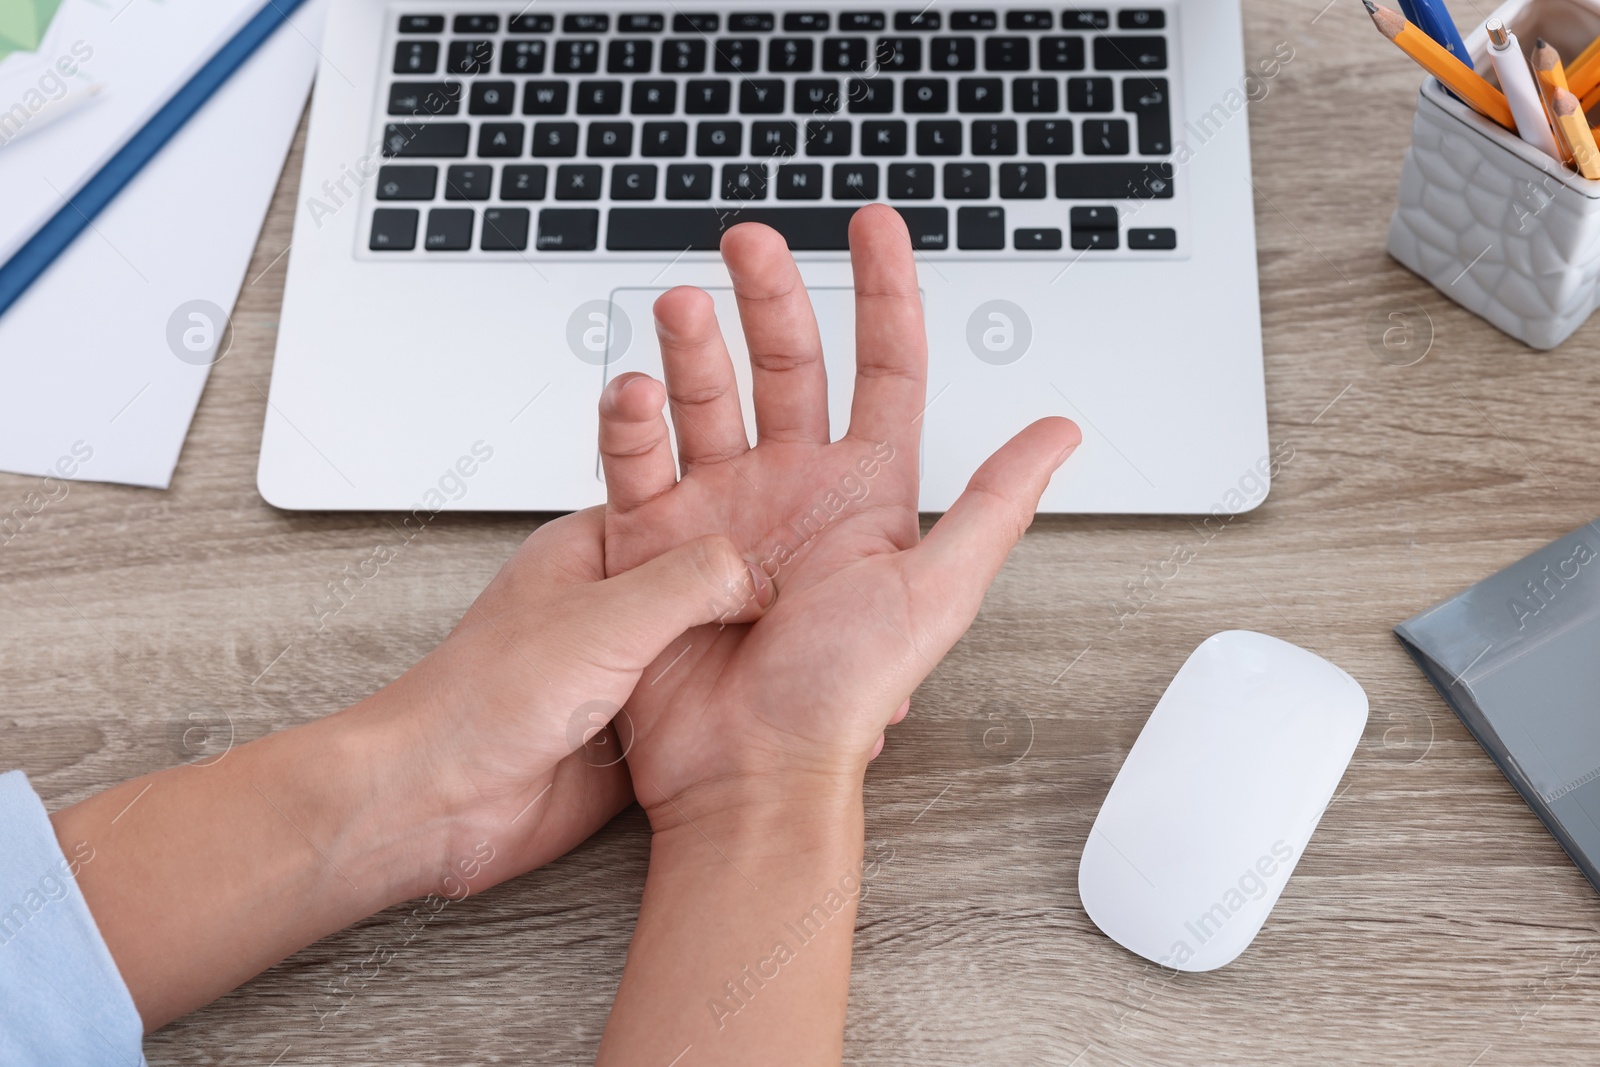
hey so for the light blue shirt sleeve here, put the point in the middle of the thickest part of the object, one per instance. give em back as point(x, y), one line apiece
point(62, 1000)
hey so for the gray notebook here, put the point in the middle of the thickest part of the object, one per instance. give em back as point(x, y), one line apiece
point(1518, 658)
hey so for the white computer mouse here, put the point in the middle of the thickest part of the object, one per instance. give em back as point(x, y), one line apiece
point(1216, 801)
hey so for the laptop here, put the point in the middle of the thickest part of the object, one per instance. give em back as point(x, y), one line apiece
point(494, 194)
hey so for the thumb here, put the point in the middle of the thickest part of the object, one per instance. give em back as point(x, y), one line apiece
point(702, 581)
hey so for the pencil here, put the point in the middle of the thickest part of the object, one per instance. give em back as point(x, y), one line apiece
point(1590, 98)
point(1573, 127)
point(1436, 60)
point(1550, 75)
point(1583, 73)
point(1587, 54)
point(1521, 89)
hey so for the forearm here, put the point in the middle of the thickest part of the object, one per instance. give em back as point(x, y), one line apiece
point(742, 949)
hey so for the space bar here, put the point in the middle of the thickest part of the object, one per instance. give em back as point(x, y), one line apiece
point(700, 229)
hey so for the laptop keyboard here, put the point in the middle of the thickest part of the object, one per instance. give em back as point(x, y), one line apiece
point(1011, 132)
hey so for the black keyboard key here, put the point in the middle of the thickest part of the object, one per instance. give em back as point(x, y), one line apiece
point(531, 24)
point(394, 229)
point(470, 57)
point(416, 57)
point(1147, 99)
point(761, 96)
point(1061, 53)
point(1006, 53)
point(751, 22)
point(996, 137)
point(806, 22)
point(800, 181)
point(1154, 240)
point(421, 23)
point(1033, 95)
point(855, 181)
point(807, 229)
point(498, 140)
point(707, 97)
point(1130, 53)
point(938, 137)
point(898, 55)
point(862, 20)
point(422, 99)
point(966, 181)
point(637, 23)
point(719, 138)
point(492, 98)
point(697, 23)
point(1050, 137)
point(925, 96)
point(411, 140)
point(980, 95)
point(1113, 181)
point(407, 183)
point(774, 138)
point(630, 57)
point(870, 96)
point(689, 181)
point(585, 23)
point(555, 139)
point(744, 181)
point(816, 96)
point(655, 97)
point(1138, 18)
point(981, 228)
point(577, 57)
point(1090, 94)
point(1093, 217)
point(1086, 240)
point(449, 229)
point(545, 98)
point(664, 139)
point(1030, 20)
point(568, 229)
point(524, 181)
point(469, 181)
point(578, 181)
point(884, 138)
point(738, 55)
point(523, 57)
point(683, 56)
point(791, 55)
point(505, 229)
point(1105, 137)
point(476, 24)
point(1093, 19)
point(600, 98)
point(1047, 240)
point(1024, 181)
point(973, 20)
point(828, 137)
point(912, 21)
point(911, 181)
point(609, 139)
point(953, 53)
point(845, 53)
point(633, 181)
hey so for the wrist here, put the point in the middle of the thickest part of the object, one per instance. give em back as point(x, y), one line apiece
point(786, 811)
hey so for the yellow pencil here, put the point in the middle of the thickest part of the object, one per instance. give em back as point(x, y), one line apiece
point(1436, 60)
point(1587, 54)
point(1569, 119)
point(1583, 73)
point(1548, 72)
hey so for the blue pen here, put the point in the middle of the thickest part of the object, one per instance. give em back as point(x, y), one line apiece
point(1433, 19)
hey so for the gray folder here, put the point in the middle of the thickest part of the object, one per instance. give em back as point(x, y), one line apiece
point(1518, 658)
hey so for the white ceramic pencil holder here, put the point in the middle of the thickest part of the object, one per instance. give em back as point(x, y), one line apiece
point(1491, 222)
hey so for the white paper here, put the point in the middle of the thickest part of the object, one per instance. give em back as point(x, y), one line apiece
point(85, 358)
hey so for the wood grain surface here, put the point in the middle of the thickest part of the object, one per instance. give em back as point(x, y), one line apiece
point(1432, 920)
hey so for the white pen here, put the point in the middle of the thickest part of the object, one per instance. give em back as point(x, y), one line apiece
point(1522, 92)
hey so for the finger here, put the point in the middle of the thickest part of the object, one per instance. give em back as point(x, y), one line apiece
point(876, 748)
point(905, 709)
point(635, 452)
point(965, 549)
point(790, 382)
point(703, 581)
point(891, 339)
point(700, 381)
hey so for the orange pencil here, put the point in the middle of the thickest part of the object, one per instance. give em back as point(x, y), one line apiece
point(1550, 76)
point(1585, 154)
point(1583, 73)
point(1436, 60)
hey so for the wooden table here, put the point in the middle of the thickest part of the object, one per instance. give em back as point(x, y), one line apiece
point(1432, 920)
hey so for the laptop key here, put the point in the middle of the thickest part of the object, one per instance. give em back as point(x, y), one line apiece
point(855, 181)
point(775, 138)
point(911, 21)
point(568, 229)
point(1162, 239)
point(806, 22)
point(476, 24)
point(407, 183)
point(409, 140)
point(800, 181)
point(555, 139)
point(633, 181)
point(828, 137)
point(816, 95)
point(1085, 240)
point(1090, 94)
point(421, 23)
point(416, 57)
point(523, 57)
point(449, 229)
point(586, 24)
point(761, 96)
point(973, 20)
point(498, 140)
point(492, 98)
point(683, 56)
point(1105, 137)
point(872, 96)
point(505, 229)
point(751, 22)
point(1141, 19)
point(744, 181)
point(689, 181)
point(981, 228)
point(470, 57)
point(600, 98)
point(655, 97)
point(994, 138)
point(939, 137)
point(1006, 53)
point(524, 181)
point(1045, 240)
point(1130, 53)
point(1113, 181)
point(471, 181)
point(708, 97)
point(899, 54)
point(791, 55)
point(630, 57)
point(887, 138)
point(845, 53)
point(738, 55)
point(664, 139)
point(531, 24)
point(911, 181)
point(640, 23)
point(925, 96)
point(807, 229)
point(966, 181)
point(421, 99)
point(1094, 19)
point(696, 23)
point(719, 138)
point(545, 98)
point(1023, 181)
point(609, 139)
point(1061, 53)
point(578, 181)
point(1030, 20)
point(862, 20)
point(394, 229)
point(1147, 99)
point(980, 95)
point(577, 57)
point(1050, 137)
point(1093, 217)
point(953, 53)
point(1033, 95)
